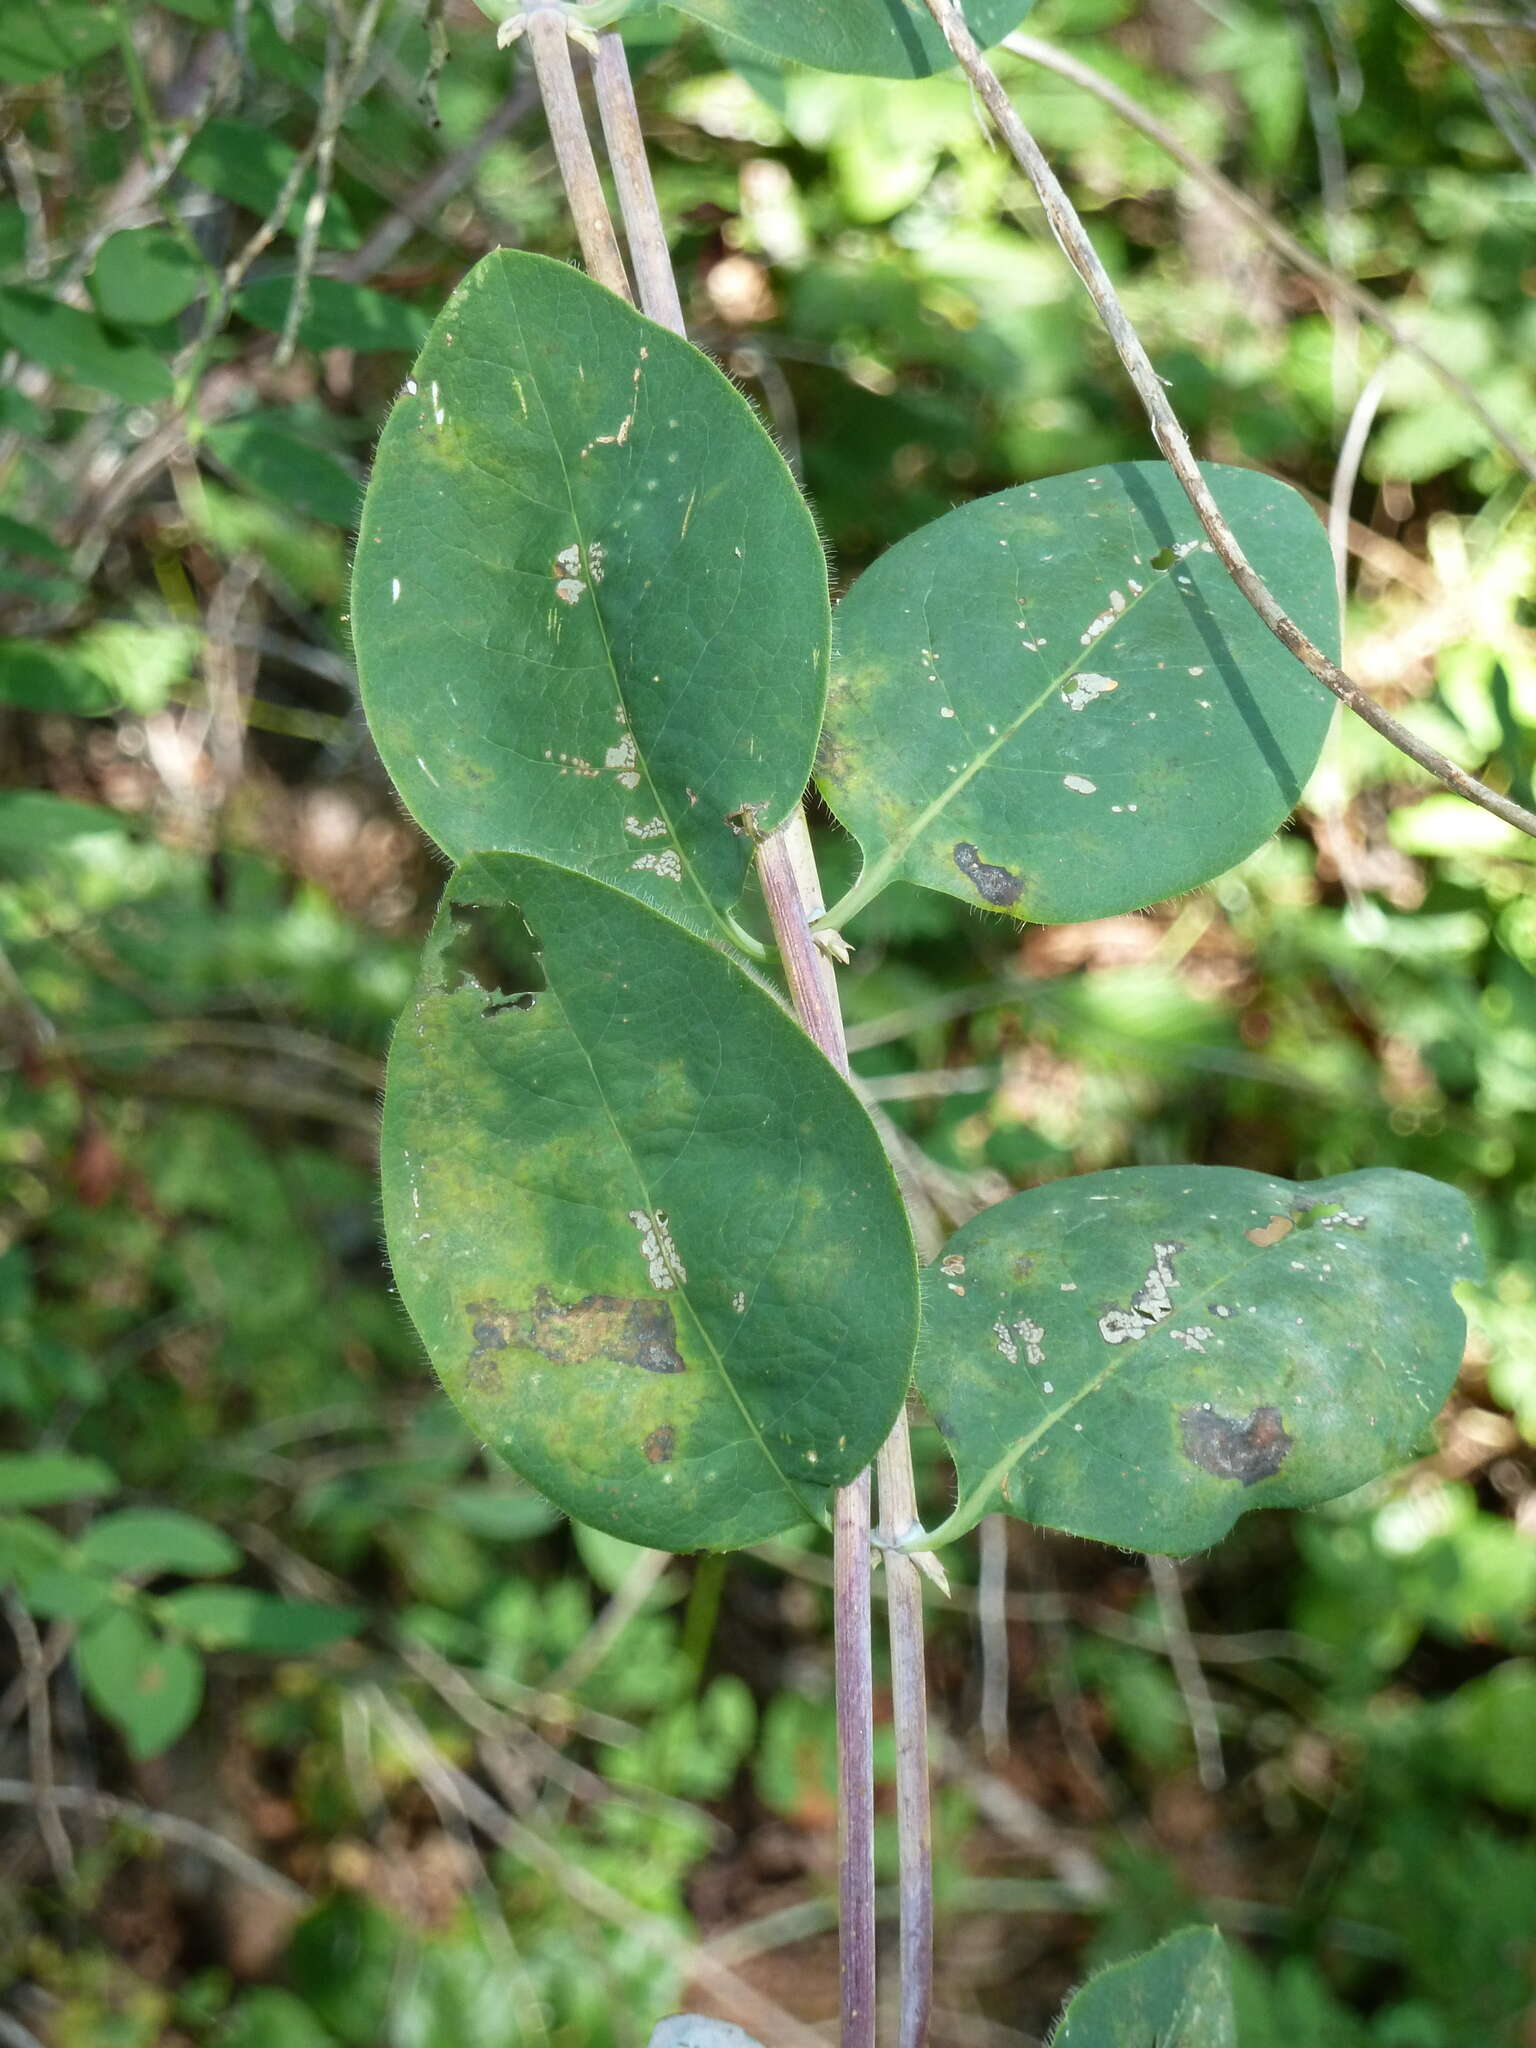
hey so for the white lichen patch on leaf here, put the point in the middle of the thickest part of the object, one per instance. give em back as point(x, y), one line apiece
point(953, 1267)
point(1011, 1336)
point(1151, 1304)
point(645, 828)
point(1085, 688)
point(569, 589)
point(622, 760)
point(1080, 783)
point(1193, 1339)
point(657, 1249)
point(1101, 624)
point(667, 865)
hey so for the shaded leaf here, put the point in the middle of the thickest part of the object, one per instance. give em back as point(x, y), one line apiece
point(1056, 703)
point(40, 677)
point(647, 1233)
point(336, 315)
point(43, 1479)
point(1177, 1996)
point(45, 36)
point(250, 166)
point(890, 38)
point(589, 603)
point(241, 1618)
point(143, 276)
point(144, 1685)
point(262, 450)
point(143, 1541)
point(18, 537)
point(75, 344)
point(1143, 1355)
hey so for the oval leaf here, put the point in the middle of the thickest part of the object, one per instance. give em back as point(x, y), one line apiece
point(143, 1541)
point(241, 1618)
point(1178, 1996)
point(589, 604)
point(647, 1233)
point(45, 1479)
point(142, 276)
point(149, 1688)
point(888, 38)
point(1055, 702)
point(1141, 1356)
point(75, 345)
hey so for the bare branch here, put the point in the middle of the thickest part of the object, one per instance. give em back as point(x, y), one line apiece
point(1174, 443)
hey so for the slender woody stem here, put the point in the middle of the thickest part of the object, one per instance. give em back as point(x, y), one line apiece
point(792, 891)
point(909, 1713)
point(551, 53)
point(1174, 443)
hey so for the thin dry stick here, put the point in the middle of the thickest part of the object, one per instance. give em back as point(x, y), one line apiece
point(341, 82)
point(1174, 443)
point(1346, 472)
point(1343, 289)
point(169, 1827)
point(1184, 1658)
point(551, 53)
point(45, 1794)
point(647, 1930)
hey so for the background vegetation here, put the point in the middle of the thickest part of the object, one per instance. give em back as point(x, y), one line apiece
point(319, 1731)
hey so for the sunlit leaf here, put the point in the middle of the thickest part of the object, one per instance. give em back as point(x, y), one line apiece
point(336, 315)
point(41, 1479)
point(589, 603)
point(1141, 1356)
point(41, 37)
point(892, 38)
point(648, 1235)
point(1178, 1996)
point(1055, 702)
point(242, 1618)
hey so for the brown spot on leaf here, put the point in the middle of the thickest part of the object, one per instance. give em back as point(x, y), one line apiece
point(660, 1444)
point(1266, 1234)
point(1227, 1449)
point(992, 884)
point(599, 1327)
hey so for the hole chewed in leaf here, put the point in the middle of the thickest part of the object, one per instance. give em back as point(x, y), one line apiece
point(491, 949)
point(600, 1328)
point(1227, 1449)
point(993, 884)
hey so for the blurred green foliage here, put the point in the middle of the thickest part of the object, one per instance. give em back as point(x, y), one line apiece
point(282, 1591)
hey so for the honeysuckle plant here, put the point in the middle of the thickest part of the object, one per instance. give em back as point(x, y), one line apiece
point(647, 1231)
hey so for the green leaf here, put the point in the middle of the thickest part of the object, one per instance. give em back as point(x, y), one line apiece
point(27, 1547)
point(76, 345)
point(336, 315)
point(39, 677)
point(890, 38)
point(1143, 1355)
point(1178, 1996)
point(1055, 701)
point(41, 37)
point(250, 166)
point(45, 1479)
point(273, 2019)
point(262, 450)
point(646, 1231)
point(149, 1688)
point(17, 537)
point(143, 276)
point(589, 604)
point(240, 1618)
point(65, 1593)
point(142, 1541)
